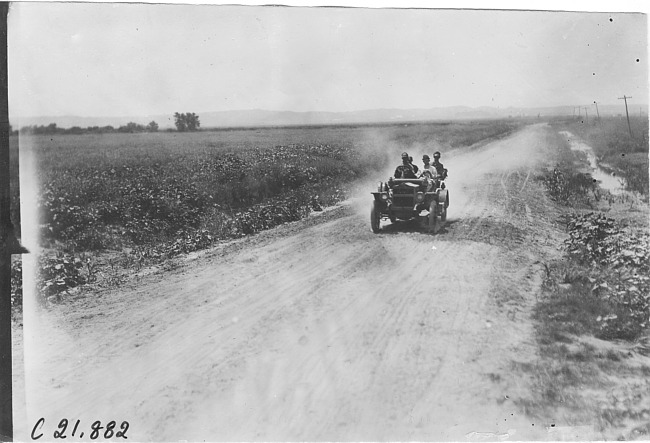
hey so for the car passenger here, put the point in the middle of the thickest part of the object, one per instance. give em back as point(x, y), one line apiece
point(442, 172)
point(428, 170)
point(429, 173)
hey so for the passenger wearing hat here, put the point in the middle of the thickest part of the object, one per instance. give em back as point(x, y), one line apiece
point(406, 169)
point(442, 172)
point(428, 170)
point(429, 173)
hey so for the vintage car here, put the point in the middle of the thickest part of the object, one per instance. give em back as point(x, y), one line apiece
point(404, 199)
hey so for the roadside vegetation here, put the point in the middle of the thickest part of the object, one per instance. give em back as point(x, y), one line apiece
point(110, 204)
point(618, 151)
point(593, 315)
point(14, 186)
point(607, 250)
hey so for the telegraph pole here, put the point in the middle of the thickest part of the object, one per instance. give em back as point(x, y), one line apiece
point(598, 113)
point(627, 114)
point(574, 111)
point(586, 115)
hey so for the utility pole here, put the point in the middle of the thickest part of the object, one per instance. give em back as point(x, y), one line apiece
point(627, 114)
point(598, 113)
point(574, 111)
point(586, 115)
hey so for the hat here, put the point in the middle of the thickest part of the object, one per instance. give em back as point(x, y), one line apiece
point(425, 157)
point(436, 154)
point(405, 155)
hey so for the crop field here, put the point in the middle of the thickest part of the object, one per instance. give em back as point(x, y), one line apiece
point(148, 197)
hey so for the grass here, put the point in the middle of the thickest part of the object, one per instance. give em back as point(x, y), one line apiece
point(584, 381)
point(147, 197)
point(578, 378)
point(565, 183)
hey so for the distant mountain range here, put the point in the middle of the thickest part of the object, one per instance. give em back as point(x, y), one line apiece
point(257, 117)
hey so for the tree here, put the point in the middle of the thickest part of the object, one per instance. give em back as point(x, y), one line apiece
point(179, 121)
point(193, 122)
point(186, 122)
point(152, 127)
point(131, 127)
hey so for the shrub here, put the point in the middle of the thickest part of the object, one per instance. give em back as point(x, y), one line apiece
point(59, 274)
point(620, 271)
point(16, 282)
point(568, 187)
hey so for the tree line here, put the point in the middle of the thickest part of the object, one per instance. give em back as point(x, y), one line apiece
point(185, 122)
point(52, 129)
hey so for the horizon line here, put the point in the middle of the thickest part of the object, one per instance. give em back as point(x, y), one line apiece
point(320, 111)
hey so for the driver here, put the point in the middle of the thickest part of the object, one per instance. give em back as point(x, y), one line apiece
point(406, 169)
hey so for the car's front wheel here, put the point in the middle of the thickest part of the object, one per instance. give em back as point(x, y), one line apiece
point(432, 216)
point(443, 208)
point(375, 216)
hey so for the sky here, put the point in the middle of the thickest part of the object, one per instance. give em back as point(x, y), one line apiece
point(118, 59)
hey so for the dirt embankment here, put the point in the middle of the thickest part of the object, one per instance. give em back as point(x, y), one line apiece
point(320, 330)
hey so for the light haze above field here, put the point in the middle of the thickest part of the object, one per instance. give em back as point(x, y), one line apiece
point(90, 59)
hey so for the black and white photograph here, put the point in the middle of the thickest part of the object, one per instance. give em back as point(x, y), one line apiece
point(325, 222)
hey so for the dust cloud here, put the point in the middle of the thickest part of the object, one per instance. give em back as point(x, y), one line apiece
point(385, 148)
point(467, 166)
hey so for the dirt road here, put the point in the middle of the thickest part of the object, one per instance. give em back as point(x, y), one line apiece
point(320, 330)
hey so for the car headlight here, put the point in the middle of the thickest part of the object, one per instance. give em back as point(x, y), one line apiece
point(419, 197)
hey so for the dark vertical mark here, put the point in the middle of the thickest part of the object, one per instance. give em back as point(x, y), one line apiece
point(6, 391)
point(8, 242)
